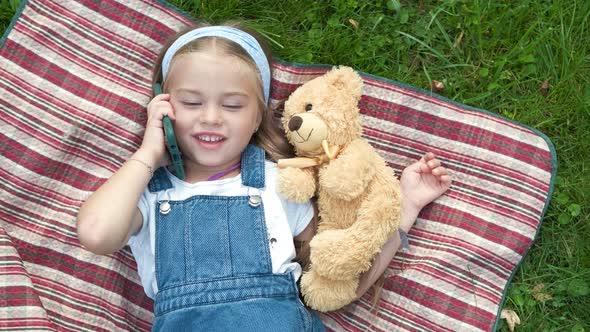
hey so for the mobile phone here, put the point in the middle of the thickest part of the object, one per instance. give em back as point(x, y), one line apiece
point(170, 139)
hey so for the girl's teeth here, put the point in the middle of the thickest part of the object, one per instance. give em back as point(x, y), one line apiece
point(210, 139)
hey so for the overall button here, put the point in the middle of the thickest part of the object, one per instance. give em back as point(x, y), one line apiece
point(255, 200)
point(165, 207)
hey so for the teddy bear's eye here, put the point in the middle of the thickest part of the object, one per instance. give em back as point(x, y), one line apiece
point(308, 107)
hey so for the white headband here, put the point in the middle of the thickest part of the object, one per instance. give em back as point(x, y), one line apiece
point(246, 41)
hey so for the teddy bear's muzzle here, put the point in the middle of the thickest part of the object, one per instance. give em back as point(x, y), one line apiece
point(307, 131)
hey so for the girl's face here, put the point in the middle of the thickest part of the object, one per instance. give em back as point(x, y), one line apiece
point(214, 97)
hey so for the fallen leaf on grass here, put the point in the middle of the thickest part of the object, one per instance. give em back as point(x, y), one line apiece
point(544, 87)
point(354, 23)
point(437, 87)
point(511, 318)
point(540, 296)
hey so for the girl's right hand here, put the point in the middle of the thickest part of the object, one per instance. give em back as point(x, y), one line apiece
point(154, 143)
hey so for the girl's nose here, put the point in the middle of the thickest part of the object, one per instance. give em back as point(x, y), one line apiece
point(212, 114)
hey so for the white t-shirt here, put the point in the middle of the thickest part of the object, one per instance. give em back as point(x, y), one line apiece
point(284, 220)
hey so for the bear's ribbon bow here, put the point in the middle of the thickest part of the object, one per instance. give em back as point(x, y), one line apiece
point(330, 152)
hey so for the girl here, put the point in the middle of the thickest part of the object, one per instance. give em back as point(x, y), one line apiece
point(216, 250)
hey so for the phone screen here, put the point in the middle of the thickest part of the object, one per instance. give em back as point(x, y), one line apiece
point(170, 138)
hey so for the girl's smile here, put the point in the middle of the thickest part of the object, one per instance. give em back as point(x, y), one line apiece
point(210, 141)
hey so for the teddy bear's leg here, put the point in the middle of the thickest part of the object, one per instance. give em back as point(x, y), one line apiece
point(324, 294)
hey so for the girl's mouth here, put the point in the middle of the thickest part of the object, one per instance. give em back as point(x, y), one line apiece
point(209, 141)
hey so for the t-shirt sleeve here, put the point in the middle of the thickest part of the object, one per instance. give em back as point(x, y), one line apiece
point(298, 214)
point(139, 237)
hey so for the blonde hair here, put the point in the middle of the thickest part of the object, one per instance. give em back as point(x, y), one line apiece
point(270, 135)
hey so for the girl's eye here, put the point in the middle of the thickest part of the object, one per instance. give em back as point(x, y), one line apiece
point(233, 107)
point(190, 103)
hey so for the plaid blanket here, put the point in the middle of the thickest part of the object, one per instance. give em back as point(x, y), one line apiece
point(74, 85)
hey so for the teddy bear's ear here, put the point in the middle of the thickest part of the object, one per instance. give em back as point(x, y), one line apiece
point(345, 78)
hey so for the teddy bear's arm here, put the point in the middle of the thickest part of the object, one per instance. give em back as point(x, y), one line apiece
point(297, 184)
point(347, 176)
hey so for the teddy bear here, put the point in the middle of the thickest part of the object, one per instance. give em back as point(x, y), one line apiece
point(358, 195)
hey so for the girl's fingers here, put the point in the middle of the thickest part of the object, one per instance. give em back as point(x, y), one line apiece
point(158, 110)
point(158, 100)
point(446, 179)
point(162, 96)
point(171, 114)
point(423, 167)
point(433, 163)
point(427, 157)
point(439, 171)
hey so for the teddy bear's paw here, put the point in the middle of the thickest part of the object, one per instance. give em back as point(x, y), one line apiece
point(324, 294)
point(334, 255)
point(296, 184)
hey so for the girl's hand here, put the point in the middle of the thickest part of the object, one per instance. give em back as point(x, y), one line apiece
point(423, 181)
point(153, 143)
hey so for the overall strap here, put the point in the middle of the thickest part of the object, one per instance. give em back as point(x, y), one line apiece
point(159, 181)
point(253, 167)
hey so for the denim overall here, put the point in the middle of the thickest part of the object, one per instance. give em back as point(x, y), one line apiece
point(213, 265)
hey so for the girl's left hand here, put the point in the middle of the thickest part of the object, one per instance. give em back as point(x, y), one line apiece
point(424, 181)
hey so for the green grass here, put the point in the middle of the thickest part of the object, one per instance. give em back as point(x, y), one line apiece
point(493, 55)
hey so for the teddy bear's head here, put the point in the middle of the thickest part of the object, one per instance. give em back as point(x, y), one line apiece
point(325, 108)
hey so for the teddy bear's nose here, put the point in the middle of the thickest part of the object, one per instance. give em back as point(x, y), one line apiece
point(295, 123)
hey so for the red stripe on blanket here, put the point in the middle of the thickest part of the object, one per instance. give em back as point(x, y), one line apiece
point(486, 167)
point(491, 260)
point(459, 132)
point(19, 296)
point(450, 162)
point(84, 119)
point(38, 198)
point(141, 24)
point(471, 223)
point(111, 280)
point(408, 260)
point(475, 199)
point(29, 324)
point(95, 62)
point(40, 225)
point(57, 201)
point(393, 314)
point(441, 302)
point(62, 78)
point(347, 324)
point(91, 305)
point(78, 58)
point(54, 230)
point(441, 102)
point(56, 141)
point(40, 164)
point(443, 271)
point(105, 38)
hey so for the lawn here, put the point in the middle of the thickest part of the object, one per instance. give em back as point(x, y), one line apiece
point(528, 61)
